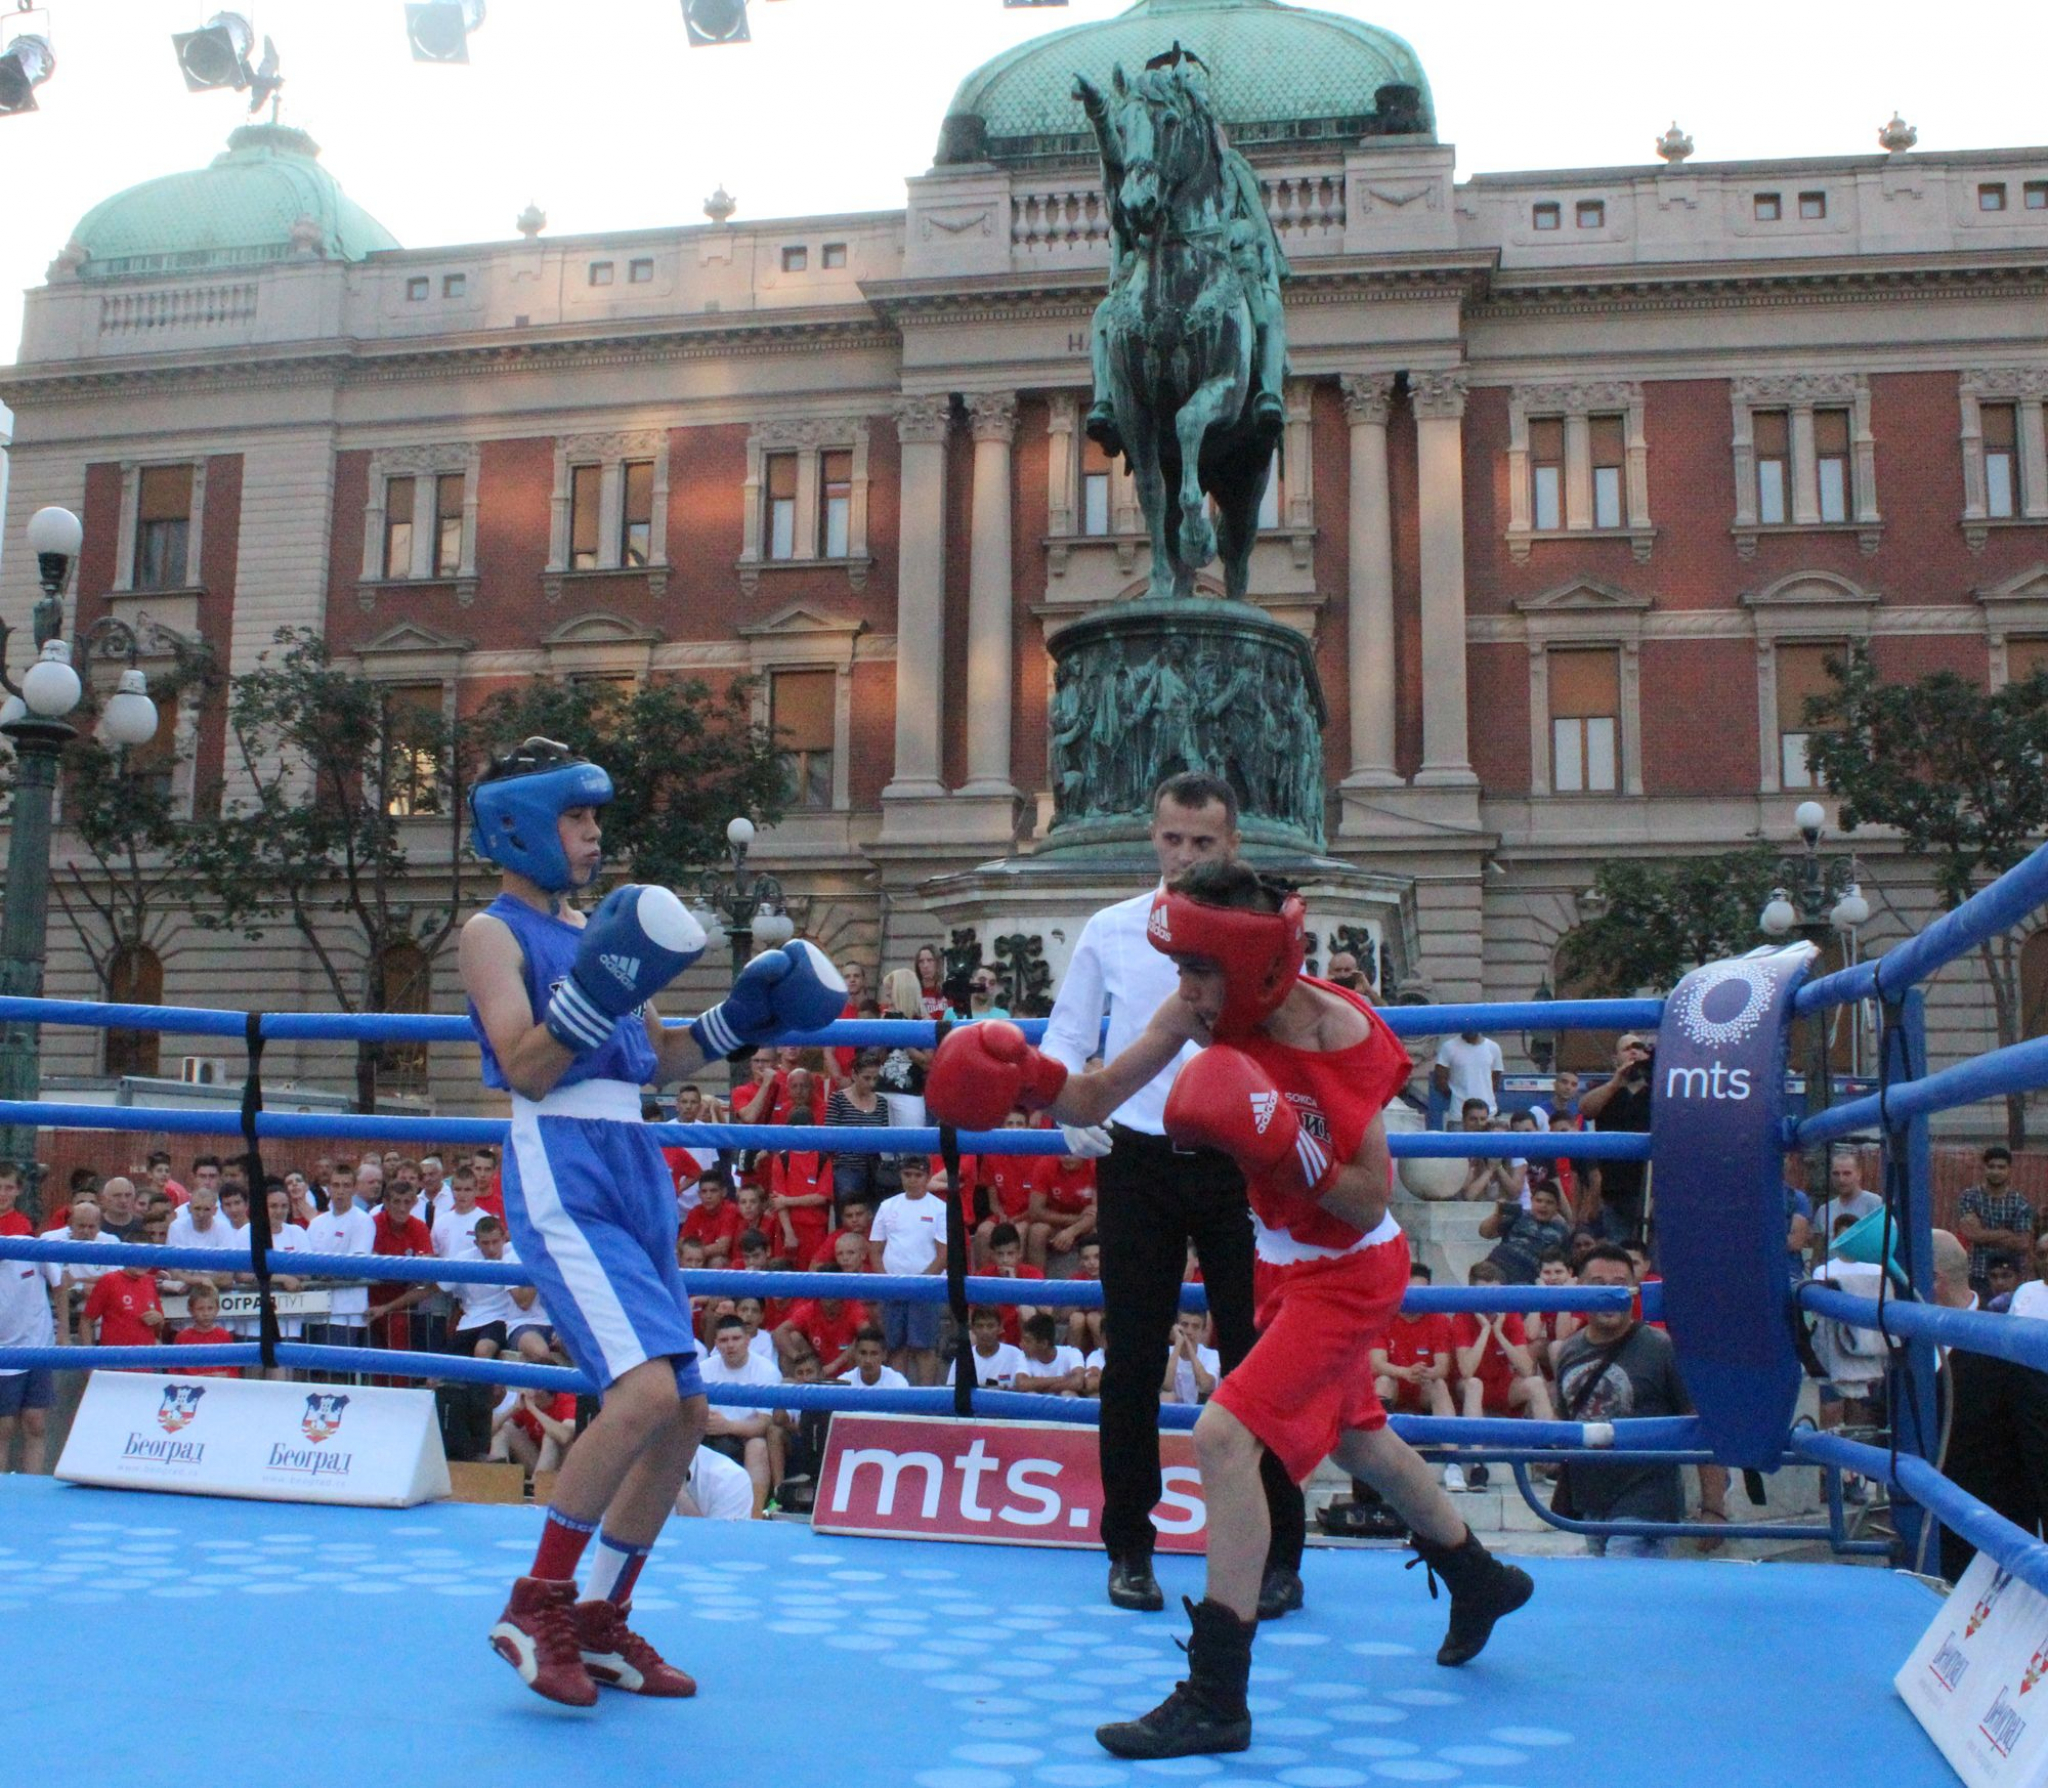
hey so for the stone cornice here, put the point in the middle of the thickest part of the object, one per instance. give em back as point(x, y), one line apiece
point(354, 362)
point(1713, 285)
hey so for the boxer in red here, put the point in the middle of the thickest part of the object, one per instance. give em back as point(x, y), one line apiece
point(1291, 1086)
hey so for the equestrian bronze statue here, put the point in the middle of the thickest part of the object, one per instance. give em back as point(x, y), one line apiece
point(1190, 346)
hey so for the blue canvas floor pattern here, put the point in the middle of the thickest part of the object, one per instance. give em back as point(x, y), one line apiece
point(170, 1640)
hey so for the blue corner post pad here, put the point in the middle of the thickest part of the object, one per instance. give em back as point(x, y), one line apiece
point(1717, 1179)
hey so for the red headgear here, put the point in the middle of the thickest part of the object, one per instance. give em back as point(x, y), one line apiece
point(1260, 953)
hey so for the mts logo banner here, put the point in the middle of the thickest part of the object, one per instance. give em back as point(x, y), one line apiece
point(1002, 1483)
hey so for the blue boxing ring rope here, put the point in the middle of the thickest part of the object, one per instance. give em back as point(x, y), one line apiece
point(1907, 1095)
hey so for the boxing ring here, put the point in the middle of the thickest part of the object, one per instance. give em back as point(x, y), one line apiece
point(982, 1667)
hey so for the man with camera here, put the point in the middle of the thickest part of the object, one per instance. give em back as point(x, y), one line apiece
point(1622, 1102)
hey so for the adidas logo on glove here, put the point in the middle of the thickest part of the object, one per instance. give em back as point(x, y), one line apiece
point(623, 969)
point(1263, 1107)
point(1157, 925)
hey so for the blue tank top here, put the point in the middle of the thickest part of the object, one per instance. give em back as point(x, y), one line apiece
point(549, 946)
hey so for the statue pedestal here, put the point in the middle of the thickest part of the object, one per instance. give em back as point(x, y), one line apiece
point(1443, 1236)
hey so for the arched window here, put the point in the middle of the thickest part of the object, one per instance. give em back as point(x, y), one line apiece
point(2034, 986)
point(408, 986)
point(135, 977)
point(1586, 1053)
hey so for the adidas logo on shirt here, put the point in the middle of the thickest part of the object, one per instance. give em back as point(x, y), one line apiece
point(623, 969)
point(1263, 1107)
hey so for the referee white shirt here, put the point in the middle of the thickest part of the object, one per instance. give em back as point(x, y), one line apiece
point(1116, 970)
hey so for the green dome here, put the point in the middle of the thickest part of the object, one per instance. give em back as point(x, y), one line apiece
point(1280, 74)
point(266, 199)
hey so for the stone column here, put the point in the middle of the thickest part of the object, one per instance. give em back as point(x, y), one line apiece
point(1439, 399)
point(993, 418)
point(1369, 644)
point(922, 423)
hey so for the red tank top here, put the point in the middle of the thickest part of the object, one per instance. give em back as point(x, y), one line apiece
point(1336, 1094)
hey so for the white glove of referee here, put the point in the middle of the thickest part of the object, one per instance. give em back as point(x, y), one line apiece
point(1087, 1143)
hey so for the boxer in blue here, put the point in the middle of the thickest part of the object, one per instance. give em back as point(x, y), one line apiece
point(562, 1004)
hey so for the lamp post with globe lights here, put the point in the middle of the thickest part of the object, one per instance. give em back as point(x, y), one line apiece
point(1818, 898)
point(35, 720)
point(750, 910)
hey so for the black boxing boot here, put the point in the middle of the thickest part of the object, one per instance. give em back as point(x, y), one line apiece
point(1482, 1590)
point(1207, 1711)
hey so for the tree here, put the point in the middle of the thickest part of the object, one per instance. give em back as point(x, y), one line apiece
point(124, 884)
point(1660, 920)
point(333, 770)
point(684, 759)
point(1956, 771)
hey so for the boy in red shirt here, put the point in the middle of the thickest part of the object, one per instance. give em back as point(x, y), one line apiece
point(716, 1224)
point(12, 1222)
point(127, 1308)
point(826, 1327)
point(1013, 1197)
point(1064, 1201)
point(399, 1235)
point(1006, 1253)
point(1412, 1365)
point(856, 1219)
point(1497, 1373)
point(1292, 1088)
point(1084, 1327)
point(204, 1330)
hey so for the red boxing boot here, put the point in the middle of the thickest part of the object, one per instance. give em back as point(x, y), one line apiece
point(616, 1656)
point(537, 1636)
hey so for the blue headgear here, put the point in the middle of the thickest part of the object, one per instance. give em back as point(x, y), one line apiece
point(516, 809)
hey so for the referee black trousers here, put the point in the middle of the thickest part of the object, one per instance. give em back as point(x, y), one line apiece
point(1151, 1201)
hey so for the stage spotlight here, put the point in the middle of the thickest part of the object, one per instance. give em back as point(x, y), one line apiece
point(715, 21)
point(217, 55)
point(438, 30)
point(25, 65)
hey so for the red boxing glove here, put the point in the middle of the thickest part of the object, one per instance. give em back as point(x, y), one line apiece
point(984, 1071)
point(1225, 1100)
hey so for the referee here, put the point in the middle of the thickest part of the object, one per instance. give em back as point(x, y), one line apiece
point(1153, 1199)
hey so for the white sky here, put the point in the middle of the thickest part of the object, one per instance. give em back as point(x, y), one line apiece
point(597, 110)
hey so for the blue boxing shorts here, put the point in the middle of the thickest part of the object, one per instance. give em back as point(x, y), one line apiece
point(592, 1213)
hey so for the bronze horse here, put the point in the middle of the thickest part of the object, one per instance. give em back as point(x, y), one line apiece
point(1177, 342)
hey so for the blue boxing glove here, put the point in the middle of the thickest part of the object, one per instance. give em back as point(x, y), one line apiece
point(637, 941)
point(795, 988)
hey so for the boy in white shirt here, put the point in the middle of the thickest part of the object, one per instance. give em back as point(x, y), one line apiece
point(996, 1362)
point(1192, 1369)
point(489, 1313)
point(739, 1432)
point(869, 1373)
point(1048, 1367)
point(455, 1219)
point(908, 1238)
point(342, 1228)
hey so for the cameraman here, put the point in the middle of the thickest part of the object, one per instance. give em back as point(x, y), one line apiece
point(1623, 1103)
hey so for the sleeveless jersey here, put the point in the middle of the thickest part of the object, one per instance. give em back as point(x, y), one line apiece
point(548, 946)
point(1336, 1094)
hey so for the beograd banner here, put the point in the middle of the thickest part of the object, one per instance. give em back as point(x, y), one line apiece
point(208, 1436)
point(999, 1483)
point(1978, 1679)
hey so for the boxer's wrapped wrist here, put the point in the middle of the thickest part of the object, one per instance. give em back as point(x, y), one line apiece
point(574, 1022)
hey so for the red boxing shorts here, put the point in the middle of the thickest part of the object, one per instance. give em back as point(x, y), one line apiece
point(1308, 1378)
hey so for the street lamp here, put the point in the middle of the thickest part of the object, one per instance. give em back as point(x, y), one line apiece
point(35, 721)
point(748, 909)
point(1817, 898)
